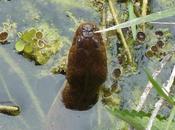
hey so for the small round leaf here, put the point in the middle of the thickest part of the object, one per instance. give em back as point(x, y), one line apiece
point(19, 46)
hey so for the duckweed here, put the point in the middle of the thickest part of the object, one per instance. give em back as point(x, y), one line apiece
point(38, 45)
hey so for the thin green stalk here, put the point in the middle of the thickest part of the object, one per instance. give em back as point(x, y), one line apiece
point(115, 17)
point(103, 23)
point(144, 10)
point(132, 16)
point(144, 7)
point(170, 119)
point(148, 18)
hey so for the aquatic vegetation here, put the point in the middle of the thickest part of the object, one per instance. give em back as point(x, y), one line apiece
point(7, 31)
point(140, 20)
point(38, 44)
point(140, 119)
point(3, 37)
point(109, 96)
point(160, 89)
point(164, 93)
point(111, 100)
point(149, 46)
point(141, 36)
point(121, 34)
point(116, 73)
point(159, 44)
point(97, 4)
point(61, 66)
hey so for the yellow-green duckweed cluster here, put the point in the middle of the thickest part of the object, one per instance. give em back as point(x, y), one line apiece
point(38, 44)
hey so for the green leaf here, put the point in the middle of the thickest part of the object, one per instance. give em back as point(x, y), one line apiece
point(152, 17)
point(159, 88)
point(28, 35)
point(139, 120)
point(170, 119)
point(132, 16)
point(28, 49)
point(19, 46)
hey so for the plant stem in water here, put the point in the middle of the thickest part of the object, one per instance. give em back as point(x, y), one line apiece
point(144, 10)
point(114, 14)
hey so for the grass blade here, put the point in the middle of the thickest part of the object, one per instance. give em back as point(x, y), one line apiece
point(152, 17)
point(159, 88)
point(170, 119)
point(132, 16)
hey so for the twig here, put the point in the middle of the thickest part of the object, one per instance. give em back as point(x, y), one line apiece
point(144, 10)
point(144, 7)
point(160, 102)
point(114, 14)
point(103, 22)
point(149, 85)
point(132, 16)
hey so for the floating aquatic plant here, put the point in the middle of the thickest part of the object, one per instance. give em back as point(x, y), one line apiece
point(158, 43)
point(3, 37)
point(39, 43)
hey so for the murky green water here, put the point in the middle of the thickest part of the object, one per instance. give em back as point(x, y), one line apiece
point(34, 88)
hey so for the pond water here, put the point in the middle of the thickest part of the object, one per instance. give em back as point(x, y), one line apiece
point(21, 81)
point(36, 90)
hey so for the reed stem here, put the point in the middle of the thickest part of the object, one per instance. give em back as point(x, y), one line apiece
point(144, 11)
point(119, 31)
